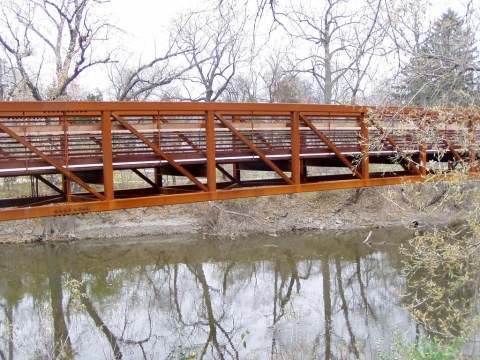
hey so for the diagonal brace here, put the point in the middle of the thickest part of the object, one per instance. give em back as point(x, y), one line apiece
point(225, 173)
point(200, 151)
point(52, 162)
point(259, 136)
point(454, 151)
point(410, 163)
point(49, 184)
point(331, 146)
point(252, 147)
point(448, 144)
point(145, 178)
point(185, 138)
point(159, 152)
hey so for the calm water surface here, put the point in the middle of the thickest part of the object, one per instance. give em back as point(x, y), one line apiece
point(184, 297)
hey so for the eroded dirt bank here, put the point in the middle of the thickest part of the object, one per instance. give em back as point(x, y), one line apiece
point(410, 205)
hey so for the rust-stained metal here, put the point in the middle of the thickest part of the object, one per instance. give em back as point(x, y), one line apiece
point(49, 184)
point(363, 139)
point(210, 146)
point(255, 149)
point(407, 163)
point(108, 182)
point(331, 146)
point(473, 148)
point(213, 147)
point(295, 145)
point(49, 160)
point(158, 151)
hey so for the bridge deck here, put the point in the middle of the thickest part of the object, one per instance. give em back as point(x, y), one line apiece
point(72, 151)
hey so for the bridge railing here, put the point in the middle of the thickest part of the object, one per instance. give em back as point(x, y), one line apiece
point(211, 145)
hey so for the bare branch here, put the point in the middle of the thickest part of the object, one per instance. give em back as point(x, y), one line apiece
point(66, 30)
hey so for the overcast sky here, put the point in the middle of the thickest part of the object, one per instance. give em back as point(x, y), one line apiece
point(146, 23)
point(147, 18)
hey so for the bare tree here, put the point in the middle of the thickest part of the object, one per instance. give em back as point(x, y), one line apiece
point(143, 81)
point(342, 38)
point(218, 37)
point(2, 81)
point(242, 88)
point(52, 42)
point(276, 69)
point(407, 25)
point(281, 83)
point(270, 80)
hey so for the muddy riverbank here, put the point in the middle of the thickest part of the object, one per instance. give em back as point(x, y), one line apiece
point(407, 205)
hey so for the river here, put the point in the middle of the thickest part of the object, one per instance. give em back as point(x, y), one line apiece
point(312, 296)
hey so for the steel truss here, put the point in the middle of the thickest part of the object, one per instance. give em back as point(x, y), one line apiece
point(210, 147)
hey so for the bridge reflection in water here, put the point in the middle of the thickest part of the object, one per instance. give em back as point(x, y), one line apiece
point(301, 297)
point(71, 152)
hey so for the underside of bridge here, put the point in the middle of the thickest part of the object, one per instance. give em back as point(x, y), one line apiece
point(59, 158)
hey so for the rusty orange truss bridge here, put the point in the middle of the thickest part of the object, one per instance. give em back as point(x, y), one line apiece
point(60, 158)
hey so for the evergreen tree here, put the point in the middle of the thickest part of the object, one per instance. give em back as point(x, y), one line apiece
point(444, 70)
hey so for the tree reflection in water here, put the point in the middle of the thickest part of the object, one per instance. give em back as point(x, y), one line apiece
point(297, 297)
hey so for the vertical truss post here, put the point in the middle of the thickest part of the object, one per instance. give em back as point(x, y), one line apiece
point(236, 171)
point(364, 147)
point(295, 147)
point(107, 152)
point(67, 188)
point(66, 182)
point(423, 159)
point(157, 173)
point(157, 176)
point(211, 163)
point(304, 173)
point(33, 186)
point(472, 154)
